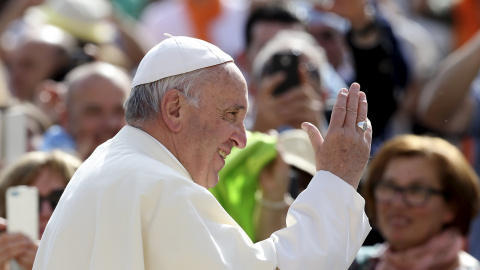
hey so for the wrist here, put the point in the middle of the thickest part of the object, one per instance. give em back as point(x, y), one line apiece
point(273, 204)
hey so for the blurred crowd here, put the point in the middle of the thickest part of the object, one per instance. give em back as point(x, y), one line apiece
point(66, 68)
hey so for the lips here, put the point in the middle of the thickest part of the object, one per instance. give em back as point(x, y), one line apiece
point(398, 221)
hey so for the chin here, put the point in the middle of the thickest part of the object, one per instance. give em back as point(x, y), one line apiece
point(212, 181)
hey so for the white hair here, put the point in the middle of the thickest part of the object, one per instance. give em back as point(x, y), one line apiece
point(144, 101)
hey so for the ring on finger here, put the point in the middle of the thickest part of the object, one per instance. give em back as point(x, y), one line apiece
point(363, 125)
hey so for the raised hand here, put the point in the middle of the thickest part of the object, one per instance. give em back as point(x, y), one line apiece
point(346, 148)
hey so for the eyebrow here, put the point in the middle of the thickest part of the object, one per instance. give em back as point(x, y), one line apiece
point(239, 107)
point(416, 181)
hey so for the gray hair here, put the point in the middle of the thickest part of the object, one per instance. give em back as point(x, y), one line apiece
point(144, 101)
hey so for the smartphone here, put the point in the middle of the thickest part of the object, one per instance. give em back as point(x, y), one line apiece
point(22, 211)
point(22, 214)
point(288, 63)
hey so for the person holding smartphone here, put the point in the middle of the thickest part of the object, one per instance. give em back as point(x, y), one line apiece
point(287, 82)
point(49, 173)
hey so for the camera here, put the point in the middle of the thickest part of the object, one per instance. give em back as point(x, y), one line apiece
point(288, 63)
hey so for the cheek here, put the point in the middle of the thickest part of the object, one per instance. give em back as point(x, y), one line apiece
point(380, 211)
point(87, 123)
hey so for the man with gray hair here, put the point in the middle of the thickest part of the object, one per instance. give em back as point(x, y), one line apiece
point(140, 201)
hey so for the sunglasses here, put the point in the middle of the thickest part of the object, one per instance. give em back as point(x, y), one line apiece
point(51, 198)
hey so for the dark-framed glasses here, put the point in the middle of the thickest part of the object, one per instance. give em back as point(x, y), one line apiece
point(413, 196)
point(51, 198)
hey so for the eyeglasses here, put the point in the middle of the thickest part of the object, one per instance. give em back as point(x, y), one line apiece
point(413, 196)
point(52, 198)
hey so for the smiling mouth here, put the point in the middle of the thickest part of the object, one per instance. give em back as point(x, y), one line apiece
point(398, 221)
point(222, 154)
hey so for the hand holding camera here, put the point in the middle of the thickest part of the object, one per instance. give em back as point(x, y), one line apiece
point(288, 94)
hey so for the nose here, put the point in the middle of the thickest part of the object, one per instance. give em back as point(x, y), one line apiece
point(46, 209)
point(398, 198)
point(239, 137)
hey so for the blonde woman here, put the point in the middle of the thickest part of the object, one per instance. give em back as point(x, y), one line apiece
point(49, 173)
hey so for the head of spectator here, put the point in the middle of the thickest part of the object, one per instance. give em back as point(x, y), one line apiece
point(44, 53)
point(303, 100)
point(329, 29)
point(263, 23)
point(94, 102)
point(48, 172)
point(422, 194)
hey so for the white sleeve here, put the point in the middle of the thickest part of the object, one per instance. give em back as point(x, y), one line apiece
point(326, 226)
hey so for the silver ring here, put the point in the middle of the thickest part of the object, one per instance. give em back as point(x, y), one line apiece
point(363, 125)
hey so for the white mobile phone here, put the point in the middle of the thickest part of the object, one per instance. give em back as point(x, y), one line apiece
point(22, 214)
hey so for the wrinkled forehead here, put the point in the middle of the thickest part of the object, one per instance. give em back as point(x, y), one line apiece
point(228, 85)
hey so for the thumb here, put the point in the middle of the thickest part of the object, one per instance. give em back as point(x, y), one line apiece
point(315, 137)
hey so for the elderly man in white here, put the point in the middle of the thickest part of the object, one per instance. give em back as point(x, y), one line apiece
point(141, 201)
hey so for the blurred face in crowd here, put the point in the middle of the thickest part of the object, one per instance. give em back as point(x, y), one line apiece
point(30, 64)
point(262, 32)
point(405, 226)
point(331, 40)
point(49, 184)
point(216, 126)
point(95, 111)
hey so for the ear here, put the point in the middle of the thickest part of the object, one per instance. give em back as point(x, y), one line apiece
point(49, 97)
point(172, 106)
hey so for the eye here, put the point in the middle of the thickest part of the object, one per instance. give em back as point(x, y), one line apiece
point(416, 190)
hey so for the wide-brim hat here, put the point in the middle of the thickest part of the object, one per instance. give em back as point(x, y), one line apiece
point(297, 150)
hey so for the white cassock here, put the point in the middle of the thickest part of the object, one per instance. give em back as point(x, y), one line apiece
point(132, 205)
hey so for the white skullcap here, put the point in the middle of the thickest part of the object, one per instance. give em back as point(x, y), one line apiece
point(177, 55)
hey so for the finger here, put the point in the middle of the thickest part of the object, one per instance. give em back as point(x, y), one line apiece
point(12, 245)
point(315, 137)
point(368, 133)
point(339, 109)
point(303, 74)
point(270, 83)
point(362, 108)
point(26, 260)
point(304, 92)
point(352, 105)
